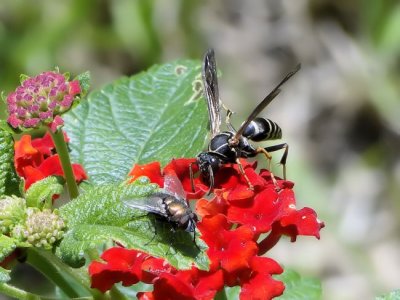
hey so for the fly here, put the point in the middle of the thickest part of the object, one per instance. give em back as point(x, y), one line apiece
point(170, 204)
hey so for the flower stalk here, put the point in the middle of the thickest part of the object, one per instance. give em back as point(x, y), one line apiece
point(57, 272)
point(17, 293)
point(62, 150)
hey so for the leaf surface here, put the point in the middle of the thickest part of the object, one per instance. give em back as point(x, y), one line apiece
point(9, 180)
point(99, 218)
point(153, 116)
point(298, 288)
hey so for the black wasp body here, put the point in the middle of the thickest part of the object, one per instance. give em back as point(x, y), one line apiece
point(228, 146)
point(261, 129)
point(169, 204)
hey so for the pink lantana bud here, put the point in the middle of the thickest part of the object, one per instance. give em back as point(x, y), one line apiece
point(57, 123)
point(74, 88)
point(40, 100)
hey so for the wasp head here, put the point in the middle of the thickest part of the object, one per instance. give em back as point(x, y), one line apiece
point(208, 163)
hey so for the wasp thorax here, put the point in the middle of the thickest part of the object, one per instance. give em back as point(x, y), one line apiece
point(233, 142)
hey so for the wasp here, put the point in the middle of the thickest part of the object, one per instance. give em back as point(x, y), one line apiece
point(229, 146)
point(169, 204)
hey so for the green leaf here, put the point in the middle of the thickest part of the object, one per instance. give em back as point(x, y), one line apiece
point(298, 288)
point(9, 181)
point(4, 126)
point(23, 77)
point(40, 194)
point(390, 38)
point(231, 293)
point(153, 116)
point(395, 295)
point(7, 246)
point(99, 217)
point(4, 275)
point(84, 82)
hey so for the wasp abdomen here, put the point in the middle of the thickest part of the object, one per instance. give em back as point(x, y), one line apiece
point(261, 129)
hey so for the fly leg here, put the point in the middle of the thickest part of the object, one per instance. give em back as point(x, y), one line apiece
point(154, 233)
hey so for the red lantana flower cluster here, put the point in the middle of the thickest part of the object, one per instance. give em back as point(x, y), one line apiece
point(238, 225)
point(35, 159)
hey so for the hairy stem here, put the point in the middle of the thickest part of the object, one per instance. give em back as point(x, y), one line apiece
point(62, 150)
point(17, 293)
point(57, 272)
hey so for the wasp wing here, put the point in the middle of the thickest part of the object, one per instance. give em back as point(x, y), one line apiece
point(152, 204)
point(210, 85)
point(267, 100)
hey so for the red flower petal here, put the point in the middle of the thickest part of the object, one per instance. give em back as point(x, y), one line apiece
point(301, 222)
point(32, 175)
point(229, 249)
point(205, 284)
point(265, 265)
point(170, 287)
point(79, 173)
point(153, 267)
point(26, 154)
point(145, 296)
point(209, 284)
point(45, 145)
point(261, 287)
point(52, 166)
point(121, 265)
point(210, 208)
point(181, 167)
point(150, 170)
point(259, 213)
point(239, 193)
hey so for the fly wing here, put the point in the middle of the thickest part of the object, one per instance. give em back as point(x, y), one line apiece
point(173, 186)
point(210, 83)
point(152, 204)
point(267, 100)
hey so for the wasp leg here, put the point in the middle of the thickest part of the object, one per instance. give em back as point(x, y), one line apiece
point(283, 160)
point(191, 176)
point(269, 157)
point(211, 179)
point(251, 187)
point(229, 113)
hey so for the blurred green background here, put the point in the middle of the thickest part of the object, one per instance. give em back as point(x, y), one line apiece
point(340, 114)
